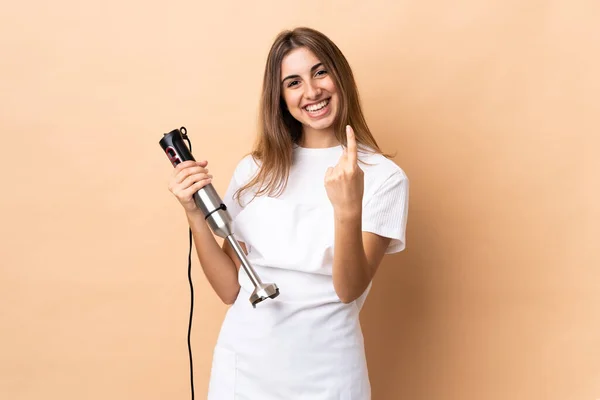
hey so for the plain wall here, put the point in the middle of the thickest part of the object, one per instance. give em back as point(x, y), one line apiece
point(491, 108)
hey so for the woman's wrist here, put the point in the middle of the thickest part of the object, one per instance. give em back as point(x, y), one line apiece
point(194, 213)
point(347, 214)
point(196, 220)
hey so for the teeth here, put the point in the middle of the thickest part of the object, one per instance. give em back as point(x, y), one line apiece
point(318, 106)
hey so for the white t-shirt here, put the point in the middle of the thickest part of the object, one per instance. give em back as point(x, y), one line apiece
point(311, 340)
point(295, 231)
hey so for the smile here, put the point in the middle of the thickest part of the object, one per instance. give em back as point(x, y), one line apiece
point(313, 108)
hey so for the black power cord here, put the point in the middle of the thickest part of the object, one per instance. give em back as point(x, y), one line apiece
point(191, 313)
point(191, 297)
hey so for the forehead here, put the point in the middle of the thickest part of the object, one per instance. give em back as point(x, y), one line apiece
point(298, 61)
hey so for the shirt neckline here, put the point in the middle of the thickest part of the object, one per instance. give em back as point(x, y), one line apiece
point(315, 151)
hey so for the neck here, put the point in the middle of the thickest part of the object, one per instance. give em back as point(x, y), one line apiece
point(318, 138)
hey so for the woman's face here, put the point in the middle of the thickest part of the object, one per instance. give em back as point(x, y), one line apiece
point(308, 90)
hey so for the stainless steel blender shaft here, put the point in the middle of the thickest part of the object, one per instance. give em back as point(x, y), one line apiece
point(239, 251)
point(261, 291)
point(219, 220)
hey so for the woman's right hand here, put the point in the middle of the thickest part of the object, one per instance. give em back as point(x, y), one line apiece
point(187, 178)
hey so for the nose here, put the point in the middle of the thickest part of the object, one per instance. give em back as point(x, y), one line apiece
point(313, 91)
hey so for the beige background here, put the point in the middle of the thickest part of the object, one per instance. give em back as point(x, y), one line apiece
point(491, 107)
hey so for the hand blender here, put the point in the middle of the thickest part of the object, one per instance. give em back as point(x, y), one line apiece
point(215, 212)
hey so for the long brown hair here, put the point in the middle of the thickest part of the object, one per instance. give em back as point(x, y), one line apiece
point(279, 130)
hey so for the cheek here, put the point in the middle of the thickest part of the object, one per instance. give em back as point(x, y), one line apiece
point(292, 100)
point(329, 85)
point(331, 88)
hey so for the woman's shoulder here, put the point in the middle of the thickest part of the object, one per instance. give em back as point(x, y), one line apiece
point(384, 179)
point(378, 165)
point(246, 168)
point(248, 162)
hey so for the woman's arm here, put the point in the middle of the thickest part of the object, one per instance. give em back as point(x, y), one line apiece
point(217, 263)
point(356, 256)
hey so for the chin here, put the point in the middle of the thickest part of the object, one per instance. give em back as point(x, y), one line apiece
point(319, 126)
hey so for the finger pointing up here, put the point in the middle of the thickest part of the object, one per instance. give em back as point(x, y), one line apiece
point(352, 151)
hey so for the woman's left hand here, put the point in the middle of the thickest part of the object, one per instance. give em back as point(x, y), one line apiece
point(344, 183)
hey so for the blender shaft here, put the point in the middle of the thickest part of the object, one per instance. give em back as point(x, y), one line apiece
point(239, 251)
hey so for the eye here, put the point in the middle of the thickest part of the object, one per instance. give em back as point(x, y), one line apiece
point(293, 83)
point(321, 72)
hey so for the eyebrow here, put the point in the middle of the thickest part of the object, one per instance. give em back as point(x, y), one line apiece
point(314, 67)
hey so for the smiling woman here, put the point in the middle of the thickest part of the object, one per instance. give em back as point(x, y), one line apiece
point(310, 96)
point(312, 220)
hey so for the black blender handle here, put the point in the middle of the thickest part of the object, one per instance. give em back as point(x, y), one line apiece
point(173, 145)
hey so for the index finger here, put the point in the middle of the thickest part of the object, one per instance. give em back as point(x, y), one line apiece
point(190, 163)
point(183, 165)
point(352, 151)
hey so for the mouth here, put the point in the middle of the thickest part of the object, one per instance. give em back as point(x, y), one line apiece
point(317, 109)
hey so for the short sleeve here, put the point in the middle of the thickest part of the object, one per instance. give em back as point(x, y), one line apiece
point(386, 212)
point(233, 206)
point(241, 175)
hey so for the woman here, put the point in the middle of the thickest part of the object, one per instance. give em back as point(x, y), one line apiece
point(316, 205)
